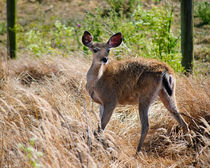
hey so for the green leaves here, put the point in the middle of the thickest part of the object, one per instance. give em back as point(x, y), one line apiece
point(46, 39)
point(149, 34)
point(146, 33)
point(3, 28)
point(202, 10)
point(33, 155)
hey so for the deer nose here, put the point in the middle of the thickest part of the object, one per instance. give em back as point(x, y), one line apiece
point(104, 60)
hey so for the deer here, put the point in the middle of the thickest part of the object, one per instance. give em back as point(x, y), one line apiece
point(133, 81)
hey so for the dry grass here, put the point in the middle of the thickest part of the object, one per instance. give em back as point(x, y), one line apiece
point(45, 100)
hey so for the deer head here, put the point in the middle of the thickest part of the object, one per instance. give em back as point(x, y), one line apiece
point(101, 50)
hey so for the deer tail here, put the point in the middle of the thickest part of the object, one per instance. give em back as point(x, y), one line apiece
point(167, 83)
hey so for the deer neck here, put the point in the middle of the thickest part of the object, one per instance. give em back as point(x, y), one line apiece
point(93, 75)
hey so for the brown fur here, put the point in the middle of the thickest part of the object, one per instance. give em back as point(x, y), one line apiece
point(131, 79)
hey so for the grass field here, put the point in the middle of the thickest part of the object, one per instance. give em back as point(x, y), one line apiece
point(47, 118)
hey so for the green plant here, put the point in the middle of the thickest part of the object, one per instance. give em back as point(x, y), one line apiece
point(47, 39)
point(123, 6)
point(33, 155)
point(60, 35)
point(156, 23)
point(36, 43)
point(150, 32)
point(3, 28)
point(202, 10)
point(147, 33)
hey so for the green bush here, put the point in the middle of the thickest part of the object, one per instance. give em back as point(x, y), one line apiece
point(36, 43)
point(48, 39)
point(146, 32)
point(123, 7)
point(3, 28)
point(155, 24)
point(202, 10)
point(33, 155)
point(149, 34)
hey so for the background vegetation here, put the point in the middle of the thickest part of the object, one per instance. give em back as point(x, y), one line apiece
point(45, 112)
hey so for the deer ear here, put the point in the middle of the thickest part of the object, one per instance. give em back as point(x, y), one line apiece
point(115, 40)
point(87, 39)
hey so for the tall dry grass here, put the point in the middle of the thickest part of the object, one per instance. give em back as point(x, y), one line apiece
point(45, 108)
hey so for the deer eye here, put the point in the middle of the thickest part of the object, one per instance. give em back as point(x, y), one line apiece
point(95, 50)
point(108, 49)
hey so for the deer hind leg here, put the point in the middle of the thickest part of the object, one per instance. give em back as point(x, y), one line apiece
point(144, 104)
point(143, 112)
point(170, 103)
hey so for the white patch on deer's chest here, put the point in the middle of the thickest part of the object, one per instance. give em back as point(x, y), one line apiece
point(100, 72)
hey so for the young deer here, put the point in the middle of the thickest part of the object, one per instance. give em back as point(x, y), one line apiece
point(136, 81)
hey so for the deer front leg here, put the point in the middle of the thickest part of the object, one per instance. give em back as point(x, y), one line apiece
point(108, 109)
point(101, 109)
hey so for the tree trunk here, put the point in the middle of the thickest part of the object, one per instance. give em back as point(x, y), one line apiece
point(187, 34)
point(11, 27)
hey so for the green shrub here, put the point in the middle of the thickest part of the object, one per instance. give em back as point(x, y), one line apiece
point(156, 24)
point(202, 10)
point(121, 7)
point(3, 28)
point(147, 33)
point(47, 39)
point(33, 155)
point(36, 43)
point(150, 33)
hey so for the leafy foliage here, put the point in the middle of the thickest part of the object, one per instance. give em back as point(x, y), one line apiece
point(202, 10)
point(47, 38)
point(3, 28)
point(122, 7)
point(32, 154)
point(147, 33)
